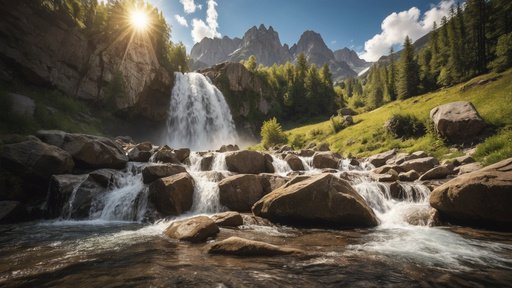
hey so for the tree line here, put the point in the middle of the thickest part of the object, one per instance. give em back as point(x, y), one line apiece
point(476, 38)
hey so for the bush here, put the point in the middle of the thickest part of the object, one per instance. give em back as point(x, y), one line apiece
point(272, 133)
point(405, 126)
point(298, 141)
point(337, 124)
point(316, 132)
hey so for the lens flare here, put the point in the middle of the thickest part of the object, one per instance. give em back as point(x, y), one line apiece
point(139, 20)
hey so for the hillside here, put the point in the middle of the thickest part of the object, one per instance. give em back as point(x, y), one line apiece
point(368, 135)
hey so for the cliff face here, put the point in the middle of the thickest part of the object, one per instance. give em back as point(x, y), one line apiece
point(250, 99)
point(46, 51)
point(209, 51)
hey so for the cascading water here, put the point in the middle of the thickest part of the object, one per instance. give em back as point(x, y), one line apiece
point(199, 117)
point(280, 166)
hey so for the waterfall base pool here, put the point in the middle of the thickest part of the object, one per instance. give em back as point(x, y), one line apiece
point(108, 254)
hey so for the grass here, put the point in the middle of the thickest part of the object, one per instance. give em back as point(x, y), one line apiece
point(368, 135)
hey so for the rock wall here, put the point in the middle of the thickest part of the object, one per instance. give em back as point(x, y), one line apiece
point(249, 98)
point(41, 49)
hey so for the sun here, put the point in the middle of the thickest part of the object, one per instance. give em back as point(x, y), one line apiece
point(139, 20)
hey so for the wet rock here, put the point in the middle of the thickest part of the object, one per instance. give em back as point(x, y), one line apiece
point(228, 219)
point(390, 176)
point(458, 122)
point(380, 159)
point(145, 146)
point(83, 199)
point(482, 197)
point(325, 160)
point(172, 195)
point(165, 156)
point(52, 137)
point(206, 162)
point(35, 160)
point(306, 153)
point(60, 189)
point(438, 172)
point(468, 168)
point(322, 200)
point(228, 148)
point(269, 166)
point(12, 212)
point(294, 162)
point(105, 177)
point(240, 192)
point(197, 229)
point(136, 155)
point(396, 191)
point(271, 182)
point(408, 176)
point(420, 165)
point(250, 219)
point(245, 162)
point(153, 172)
point(386, 168)
point(182, 154)
point(248, 248)
point(284, 148)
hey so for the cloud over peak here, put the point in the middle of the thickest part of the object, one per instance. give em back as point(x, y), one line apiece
point(189, 6)
point(200, 29)
point(397, 26)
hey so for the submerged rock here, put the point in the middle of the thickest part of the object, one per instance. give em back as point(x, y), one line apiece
point(172, 195)
point(482, 197)
point(195, 230)
point(240, 192)
point(249, 248)
point(322, 200)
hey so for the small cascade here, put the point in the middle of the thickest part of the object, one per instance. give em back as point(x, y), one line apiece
point(219, 162)
point(199, 117)
point(281, 167)
point(307, 162)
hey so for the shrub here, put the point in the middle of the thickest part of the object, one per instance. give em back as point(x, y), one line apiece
point(316, 132)
point(405, 126)
point(337, 124)
point(298, 141)
point(272, 133)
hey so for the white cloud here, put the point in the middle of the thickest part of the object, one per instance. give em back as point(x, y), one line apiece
point(397, 26)
point(200, 29)
point(189, 6)
point(181, 20)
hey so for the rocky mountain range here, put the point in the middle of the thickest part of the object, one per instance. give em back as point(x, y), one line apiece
point(264, 43)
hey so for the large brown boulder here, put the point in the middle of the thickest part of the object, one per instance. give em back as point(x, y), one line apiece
point(458, 122)
point(240, 192)
point(94, 151)
point(60, 189)
point(271, 182)
point(136, 155)
point(380, 159)
point(482, 197)
point(165, 155)
point(438, 172)
point(182, 154)
point(420, 165)
point(35, 159)
point(294, 162)
point(228, 219)
point(325, 160)
point(153, 172)
point(322, 200)
point(244, 247)
point(245, 162)
point(196, 229)
point(172, 195)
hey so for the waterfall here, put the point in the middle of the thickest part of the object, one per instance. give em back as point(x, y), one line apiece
point(280, 166)
point(198, 117)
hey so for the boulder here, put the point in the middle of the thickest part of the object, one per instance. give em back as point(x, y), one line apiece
point(408, 176)
point(35, 160)
point(52, 137)
point(458, 122)
point(269, 163)
point(386, 168)
point(60, 189)
point(136, 155)
point(306, 153)
point(380, 159)
point(348, 119)
point(144, 146)
point(245, 162)
point(323, 147)
point(83, 198)
point(248, 248)
point(172, 195)
point(12, 212)
point(468, 168)
point(182, 154)
point(481, 197)
point(240, 192)
point(206, 162)
point(94, 151)
point(390, 176)
point(420, 165)
point(228, 148)
point(294, 162)
point(228, 219)
point(438, 172)
point(195, 230)
point(325, 160)
point(153, 172)
point(322, 200)
point(463, 160)
point(271, 182)
point(165, 156)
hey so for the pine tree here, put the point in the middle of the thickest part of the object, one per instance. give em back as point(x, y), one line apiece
point(407, 85)
point(476, 19)
point(392, 76)
point(435, 67)
point(453, 67)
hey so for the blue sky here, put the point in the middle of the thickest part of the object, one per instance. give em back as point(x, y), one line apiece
point(369, 27)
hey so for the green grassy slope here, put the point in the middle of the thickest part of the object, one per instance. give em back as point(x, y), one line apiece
point(368, 136)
